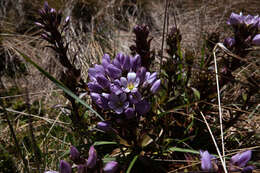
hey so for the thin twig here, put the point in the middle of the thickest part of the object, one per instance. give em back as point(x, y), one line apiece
point(164, 23)
point(215, 143)
point(219, 106)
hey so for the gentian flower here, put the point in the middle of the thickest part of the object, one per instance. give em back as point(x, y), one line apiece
point(256, 40)
point(92, 157)
point(65, 167)
point(241, 159)
point(118, 85)
point(235, 19)
point(206, 163)
point(110, 167)
point(229, 42)
point(131, 83)
point(118, 103)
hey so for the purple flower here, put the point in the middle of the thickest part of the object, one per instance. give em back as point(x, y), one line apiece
point(105, 126)
point(136, 62)
point(206, 164)
point(74, 154)
point(98, 70)
point(110, 167)
point(92, 157)
point(94, 87)
point(119, 60)
point(141, 72)
point(102, 102)
point(256, 40)
point(250, 20)
point(149, 78)
point(235, 19)
point(131, 83)
point(135, 97)
point(241, 159)
point(118, 102)
point(103, 81)
point(156, 85)
point(229, 42)
point(113, 71)
point(65, 167)
point(106, 60)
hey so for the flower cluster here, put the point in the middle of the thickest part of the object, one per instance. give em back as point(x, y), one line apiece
point(122, 85)
point(246, 30)
point(90, 165)
point(237, 162)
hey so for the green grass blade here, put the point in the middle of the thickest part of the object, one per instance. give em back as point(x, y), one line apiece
point(59, 84)
point(104, 143)
point(176, 149)
point(132, 164)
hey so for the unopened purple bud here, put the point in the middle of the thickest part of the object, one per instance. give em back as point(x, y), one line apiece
point(142, 107)
point(235, 19)
point(155, 87)
point(248, 169)
point(105, 126)
point(126, 63)
point(111, 167)
point(130, 113)
point(65, 167)
point(256, 40)
point(241, 159)
point(74, 154)
point(92, 157)
point(141, 74)
point(46, 6)
point(113, 71)
point(105, 60)
point(39, 24)
point(135, 62)
point(229, 42)
point(206, 164)
point(103, 81)
point(94, 87)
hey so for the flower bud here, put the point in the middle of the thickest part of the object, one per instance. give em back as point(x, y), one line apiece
point(92, 157)
point(65, 167)
point(110, 167)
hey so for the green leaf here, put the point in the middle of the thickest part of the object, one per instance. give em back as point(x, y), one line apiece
point(184, 150)
point(59, 84)
point(196, 93)
point(132, 164)
point(104, 143)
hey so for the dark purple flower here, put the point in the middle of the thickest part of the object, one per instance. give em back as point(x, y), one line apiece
point(135, 62)
point(241, 159)
point(65, 167)
point(92, 157)
point(142, 107)
point(206, 164)
point(94, 87)
point(97, 70)
point(110, 167)
point(118, 102)
point(130, 113)
point(141, 72)
point(82, 168)
point(126, 63)
point(106, 60)
point(156, 85)
point(113, 71)
point(103, 81)
point(119, 60)
point(229, 42)
point(74, 154)
point(256, 40)
point(135, 97)
point(102, 102)
point(131, 83)
point(149, 78)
